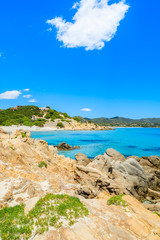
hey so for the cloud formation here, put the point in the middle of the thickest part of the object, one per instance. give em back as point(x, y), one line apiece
point(10, 94)
point(86, 109)
point(27, 96)
point(94, 23)
point(26, 90)
point(32, 100)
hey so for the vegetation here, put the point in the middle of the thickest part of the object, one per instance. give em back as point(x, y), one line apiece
point(49, 211)
point(53, 114)
point(125, 122)
point(60, 124)
point(22, 115)
point(14, 224)
point(23, 134)
point(41, 164)
point(76, 119)
point(117, 200)
point(157, 214)
point(12, 148)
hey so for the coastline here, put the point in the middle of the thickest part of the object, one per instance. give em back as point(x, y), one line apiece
point(50, 129)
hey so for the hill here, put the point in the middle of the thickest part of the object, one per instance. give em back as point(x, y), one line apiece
point(126, 122)
point(45, 117)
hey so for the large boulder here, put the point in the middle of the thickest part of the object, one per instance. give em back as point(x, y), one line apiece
point(82, 159)
point(115, 155)
point(130, 167)
point(3, 134)
point(17, 134)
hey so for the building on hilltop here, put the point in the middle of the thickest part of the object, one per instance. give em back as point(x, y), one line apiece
point(15, 108)
point(44, 109)
point(34, 118)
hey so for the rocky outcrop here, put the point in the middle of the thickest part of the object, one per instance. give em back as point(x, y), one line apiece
point(3, 134)
point(82, 159)
point(93, 181)
point(21, 178)
point(20, 134)
point(115, 174)
point(66, 147)
point(110, 223)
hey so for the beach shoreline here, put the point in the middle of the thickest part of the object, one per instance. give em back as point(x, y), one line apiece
point(48, 129)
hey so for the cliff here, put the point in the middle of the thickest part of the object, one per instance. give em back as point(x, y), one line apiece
point(30, 169)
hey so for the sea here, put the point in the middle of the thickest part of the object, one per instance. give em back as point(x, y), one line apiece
point(128, 141)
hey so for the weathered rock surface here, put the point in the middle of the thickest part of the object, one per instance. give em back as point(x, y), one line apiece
point(20, 176)
point(110, 223)
point(119, 175)
point(20, 134)
point(93, 181)
point(3, 134)
point(66, 147)
point(82, 159)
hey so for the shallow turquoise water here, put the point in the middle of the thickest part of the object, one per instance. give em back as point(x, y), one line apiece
point(128, 141)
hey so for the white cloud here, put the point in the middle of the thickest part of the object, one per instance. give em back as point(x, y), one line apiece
point(32, 100)
point(26, 90)
point(94, 23)
point(10, 94)
point(27, 96)
point(86, 109)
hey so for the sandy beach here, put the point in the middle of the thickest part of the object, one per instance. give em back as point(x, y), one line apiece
point(32, 129)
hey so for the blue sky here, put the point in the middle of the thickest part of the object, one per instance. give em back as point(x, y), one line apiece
point(120, 79)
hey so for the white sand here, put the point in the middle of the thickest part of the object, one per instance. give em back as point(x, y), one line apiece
point(32, 129)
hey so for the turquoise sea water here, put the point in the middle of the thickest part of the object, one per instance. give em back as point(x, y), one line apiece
point(128, 141)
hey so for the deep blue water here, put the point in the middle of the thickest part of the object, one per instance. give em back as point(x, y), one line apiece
point(128, 141)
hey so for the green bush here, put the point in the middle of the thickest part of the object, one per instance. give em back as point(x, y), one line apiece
point(23, 134)
point(41, 164)
point(157, 214)
point(49, 211)
point(66, 115)
point(117, 200)
point(60, 124)
point(76, 119)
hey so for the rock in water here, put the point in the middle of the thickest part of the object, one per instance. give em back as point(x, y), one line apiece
point(65, 147)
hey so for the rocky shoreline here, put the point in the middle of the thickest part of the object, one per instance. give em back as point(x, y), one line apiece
point(24, 178)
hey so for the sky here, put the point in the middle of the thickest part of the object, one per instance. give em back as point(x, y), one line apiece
point(94, 58)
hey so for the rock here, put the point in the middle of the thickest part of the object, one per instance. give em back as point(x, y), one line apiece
point(129, 169)
point(3, 134)
point(115, 155)
point(30, 204)
point(82, 159)
point(53, 149)
point(65, 147)
point(20, 134)
point(155, 161)
point(153, 194)
point(110, 223)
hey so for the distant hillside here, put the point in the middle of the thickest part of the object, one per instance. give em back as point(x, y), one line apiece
point(121, 121)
